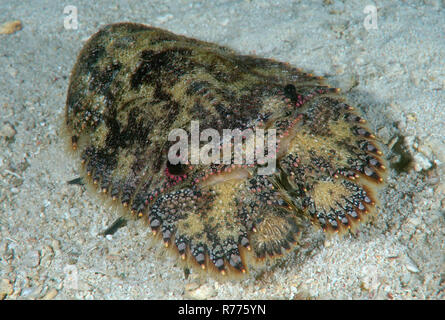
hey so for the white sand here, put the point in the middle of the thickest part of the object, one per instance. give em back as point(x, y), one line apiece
point(394, 74)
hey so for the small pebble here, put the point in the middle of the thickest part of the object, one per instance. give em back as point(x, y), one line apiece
point(203, 292)
point(384, 134)
point(410, 265)
point(412, 268)
point(414, 221)
point(27, 292)
point(191, 286)
point(164, 18)
point(425, 150)
point(32, 259)
point(51, 294)
point(7, 131)
point(5, 288)
point(421, 162)
point(10, 27)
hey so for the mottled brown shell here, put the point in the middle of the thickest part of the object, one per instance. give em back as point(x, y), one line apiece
point(132, 84)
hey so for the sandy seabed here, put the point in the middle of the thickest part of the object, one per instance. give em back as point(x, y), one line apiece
point(50, 245)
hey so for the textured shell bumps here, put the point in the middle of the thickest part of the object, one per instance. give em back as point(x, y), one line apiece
point(133, 84)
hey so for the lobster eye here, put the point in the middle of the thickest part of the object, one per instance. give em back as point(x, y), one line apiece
point(290, 92)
